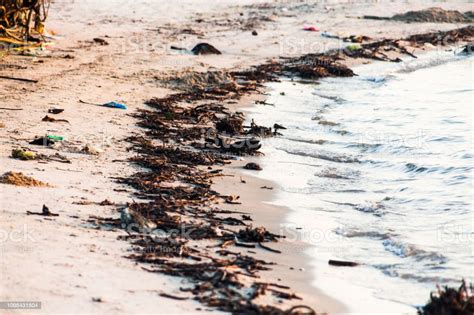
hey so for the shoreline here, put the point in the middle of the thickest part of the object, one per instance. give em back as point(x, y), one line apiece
point(79, 252)
point(293, 267)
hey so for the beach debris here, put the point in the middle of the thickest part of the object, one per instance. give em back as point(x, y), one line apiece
point(329, 35)
point(205, 49)
point(55, 137)
point(278, 127)
point(450, 301)
point(174, 297)
point(109, 104)
point(353, 47)
point(310, 28)
point(19, 179)
point(177, 48)
point(91, 150)
point(341, 263)
point(115, 105)
point(16, 78)
point(24, 155)
point(100, 41)
point(55, 110)
point(27, 155)
point(257, 235)
point(253, 166)
point(232, 125)
point(266, 187)
point(468, 49)
point(254, 33)
point(22, 21)
point(357, 39)
point(432, 15)
point(213, 82)
point(260, 131)
point(377, 50)
point(186, 135)
point(45, 212)
point(51, 119)
point(98, 300)
point(9, 108)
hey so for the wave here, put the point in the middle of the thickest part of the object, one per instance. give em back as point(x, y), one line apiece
point(403, 250)
point(413, 168)
point(418, 64)
point(376, 208)
point(336, 99)
point(319, 141)
point(365, 147)
point(327, 156)
point(369, 234)
point(395, 270)
point(335, 173)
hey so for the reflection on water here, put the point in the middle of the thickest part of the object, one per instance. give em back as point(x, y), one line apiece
point(382, 164)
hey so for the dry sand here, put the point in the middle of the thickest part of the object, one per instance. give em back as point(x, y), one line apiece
point(61, 261)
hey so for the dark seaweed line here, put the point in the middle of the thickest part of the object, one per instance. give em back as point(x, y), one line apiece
point(175, 151)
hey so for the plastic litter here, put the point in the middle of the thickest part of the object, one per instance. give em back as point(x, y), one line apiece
point(354, 47)
point(311, 28)
point(55, 110)
point(55, 138)
point(115, 105)
point(329, 35)
point(109, 104)
point(24, 155)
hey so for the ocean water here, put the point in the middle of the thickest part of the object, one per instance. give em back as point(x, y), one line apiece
point(378, 169)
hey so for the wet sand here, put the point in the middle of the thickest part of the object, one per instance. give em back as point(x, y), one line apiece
point(64, 263)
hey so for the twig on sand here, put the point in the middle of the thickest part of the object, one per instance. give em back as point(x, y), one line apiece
point(8, 108)
point(18, 79)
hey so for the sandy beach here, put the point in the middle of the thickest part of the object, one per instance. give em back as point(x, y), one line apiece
point(73, 266)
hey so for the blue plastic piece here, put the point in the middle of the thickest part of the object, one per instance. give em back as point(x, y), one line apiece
point(115, 105)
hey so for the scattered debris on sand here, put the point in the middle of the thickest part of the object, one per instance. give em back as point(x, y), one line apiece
point(450, 301)
point(379, 50)
point(185, 135)
point(45, 212)
point(19, 179)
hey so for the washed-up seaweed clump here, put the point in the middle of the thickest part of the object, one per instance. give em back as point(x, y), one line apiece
point(450, 301)
point(20, 179)
point(187, 136)
point(179, 226)
point(380, 50)
point(432, 15)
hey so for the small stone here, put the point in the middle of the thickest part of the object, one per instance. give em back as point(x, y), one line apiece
point(253, 166)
